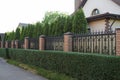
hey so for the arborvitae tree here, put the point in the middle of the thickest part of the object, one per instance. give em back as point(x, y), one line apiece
point(68, 24)
point(53, 24)
point(53, 27)
point(60, 25)
point(25, 31)
point(50, 30)
point(22, 34)
point(6, 36)
point(11, 35)
point(38, 29)
point(29, 32)
point(45, 29)
point(79, 22)
point(17, 34)
point(0, 38)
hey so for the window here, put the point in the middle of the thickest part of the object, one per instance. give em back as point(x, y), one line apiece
point(95, 12)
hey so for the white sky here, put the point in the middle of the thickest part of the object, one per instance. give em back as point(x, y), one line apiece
point(12, 12)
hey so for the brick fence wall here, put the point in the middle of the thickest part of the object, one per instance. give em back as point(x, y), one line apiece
point(67, 45)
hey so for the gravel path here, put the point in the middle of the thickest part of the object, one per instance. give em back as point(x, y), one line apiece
point(11, 72)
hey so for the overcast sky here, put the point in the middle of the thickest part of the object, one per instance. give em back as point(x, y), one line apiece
point(12, 12)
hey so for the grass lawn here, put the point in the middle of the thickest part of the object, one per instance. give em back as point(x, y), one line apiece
point(40, 71)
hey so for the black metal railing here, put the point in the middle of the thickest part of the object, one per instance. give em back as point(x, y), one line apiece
point(33, 43)
point(54, 43)
point(97, 42)
point(21, 44)
point(9, 44)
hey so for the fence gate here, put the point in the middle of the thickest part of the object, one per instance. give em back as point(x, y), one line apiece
point(103, 43)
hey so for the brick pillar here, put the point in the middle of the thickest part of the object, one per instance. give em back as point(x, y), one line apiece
point(12, 44)
point(118, 41)
point(6, 44)
point(42, 42)
point(0, 44)
point(68, 42)
point(16, 44)
point(26, 43)
point(2, 40)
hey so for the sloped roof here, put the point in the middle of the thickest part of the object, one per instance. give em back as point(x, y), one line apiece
point(117, 2)
point(103, 16)
point(22, 25)
point(84, 1)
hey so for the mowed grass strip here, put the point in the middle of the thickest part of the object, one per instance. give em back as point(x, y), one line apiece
point(40, 71)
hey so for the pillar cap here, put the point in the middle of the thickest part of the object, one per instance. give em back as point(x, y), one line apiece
point(117, 28)
point(16, 40)
point(26, 37)
point(13, 40)
point(42, 36)
point(68, 33)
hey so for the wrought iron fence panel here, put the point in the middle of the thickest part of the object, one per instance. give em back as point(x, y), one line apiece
point(103, 43)
point(9, 44)
point(21, 44)
point(54, 43)
point(33, 43)
point(6, 44)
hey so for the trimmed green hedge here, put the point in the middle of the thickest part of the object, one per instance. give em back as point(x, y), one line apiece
point(81, 66)
point(4, 53)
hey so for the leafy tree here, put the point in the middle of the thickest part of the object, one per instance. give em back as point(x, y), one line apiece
point(53, 24)
point(51, 17)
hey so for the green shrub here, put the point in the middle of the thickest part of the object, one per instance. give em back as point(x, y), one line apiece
point(81, 66)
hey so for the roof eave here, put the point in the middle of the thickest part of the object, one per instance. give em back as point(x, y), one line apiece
point(103, 16)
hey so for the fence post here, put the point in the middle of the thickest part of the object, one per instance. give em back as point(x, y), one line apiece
point(12, 44)
point(16, 44)
point(118, 41)
point(68, 42)
point(42, 42)
point(26, 43)
point(6, 44)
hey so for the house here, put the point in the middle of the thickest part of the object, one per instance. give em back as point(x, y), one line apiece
point(20, 25)
point(101, 15)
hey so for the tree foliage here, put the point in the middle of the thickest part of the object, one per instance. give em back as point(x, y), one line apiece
point(53, 24)
point(79, 22)
point(17, 34)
